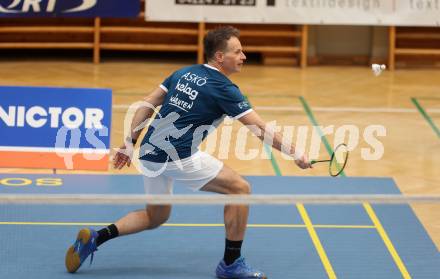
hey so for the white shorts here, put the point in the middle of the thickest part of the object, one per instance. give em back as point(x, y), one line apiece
point(195, 172)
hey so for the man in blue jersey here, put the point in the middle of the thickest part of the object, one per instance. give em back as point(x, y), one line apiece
point(193, 100)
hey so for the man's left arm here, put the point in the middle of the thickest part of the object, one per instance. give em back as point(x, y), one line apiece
point(265, 133)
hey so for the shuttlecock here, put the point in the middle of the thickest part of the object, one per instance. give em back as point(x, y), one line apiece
point(377, 69)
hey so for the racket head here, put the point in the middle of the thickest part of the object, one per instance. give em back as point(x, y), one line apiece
point(338, 160)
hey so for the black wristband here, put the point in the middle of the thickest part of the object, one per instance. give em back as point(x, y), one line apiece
point(133, 141)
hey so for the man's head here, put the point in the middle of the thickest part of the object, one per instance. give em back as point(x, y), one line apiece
point(223, 48)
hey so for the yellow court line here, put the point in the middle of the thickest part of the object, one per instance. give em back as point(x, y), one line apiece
point(194, 225)
point(55, 223)
point(315, 239)
point(249, 225)
point(387, 241)
point(275, 226)
point(343, 226)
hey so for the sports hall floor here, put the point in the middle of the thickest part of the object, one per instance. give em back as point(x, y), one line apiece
point(298, 241)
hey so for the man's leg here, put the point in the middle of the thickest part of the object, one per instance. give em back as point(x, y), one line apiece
point(150, 218)
point(146, 219)
point(230, 182)
point(88, 240)
point(236, 216)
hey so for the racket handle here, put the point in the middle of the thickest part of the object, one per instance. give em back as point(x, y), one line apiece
point(312, 162)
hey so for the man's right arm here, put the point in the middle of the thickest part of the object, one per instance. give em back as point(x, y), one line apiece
point(144, 112)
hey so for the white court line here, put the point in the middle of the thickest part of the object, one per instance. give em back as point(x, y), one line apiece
point(328, 109)
point(214, 199)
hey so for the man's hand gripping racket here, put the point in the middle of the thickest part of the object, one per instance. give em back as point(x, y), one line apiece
point(338, 160)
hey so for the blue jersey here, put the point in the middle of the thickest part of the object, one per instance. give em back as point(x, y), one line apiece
point(198, 98)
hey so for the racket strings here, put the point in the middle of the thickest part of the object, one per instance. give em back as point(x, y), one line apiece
point(338, 160)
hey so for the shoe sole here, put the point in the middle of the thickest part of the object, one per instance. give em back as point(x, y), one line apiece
point(73, 260)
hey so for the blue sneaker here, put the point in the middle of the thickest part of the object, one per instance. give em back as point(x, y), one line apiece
point(84, 245)
point(238, 270)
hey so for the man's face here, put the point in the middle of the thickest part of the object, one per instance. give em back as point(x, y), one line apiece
point(233, 57)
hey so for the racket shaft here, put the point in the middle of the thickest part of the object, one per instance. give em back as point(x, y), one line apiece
point(319, 161)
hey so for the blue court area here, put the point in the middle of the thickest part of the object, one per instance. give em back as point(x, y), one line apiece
point(298, 241)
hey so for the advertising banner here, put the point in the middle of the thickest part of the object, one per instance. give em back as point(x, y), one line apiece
point(71, 8)
point(60, 128)
point(332, 12)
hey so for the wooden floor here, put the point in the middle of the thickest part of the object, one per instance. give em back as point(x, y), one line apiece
point(337, 96)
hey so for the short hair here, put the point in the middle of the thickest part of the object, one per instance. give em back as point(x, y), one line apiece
point(217, 39)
